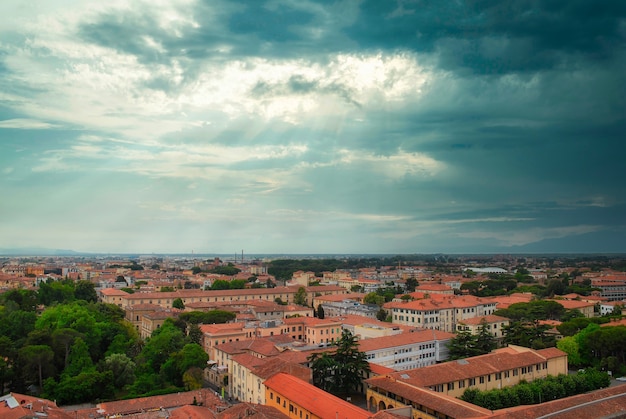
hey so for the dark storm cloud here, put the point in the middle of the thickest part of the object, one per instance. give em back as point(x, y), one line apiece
point(269, 25)
point(495, 37)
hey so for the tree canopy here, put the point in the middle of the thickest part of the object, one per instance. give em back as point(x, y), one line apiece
point(341, 371)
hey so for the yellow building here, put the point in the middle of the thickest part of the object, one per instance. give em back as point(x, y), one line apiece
point(494, 324)
point(247, 380)
point(165, 299)
point(501, 368)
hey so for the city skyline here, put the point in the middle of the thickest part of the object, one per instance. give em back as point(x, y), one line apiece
point(313, 127)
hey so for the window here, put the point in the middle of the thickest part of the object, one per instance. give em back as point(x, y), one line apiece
point(461, 383)
point(450, 386)
point(498, 376)
point(472, 381)
point(278, 399)
point(271, 396)
point(481, 379)
point(514, 372)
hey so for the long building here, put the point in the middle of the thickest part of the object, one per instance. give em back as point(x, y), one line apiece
point(165, 299)
point(501, 368)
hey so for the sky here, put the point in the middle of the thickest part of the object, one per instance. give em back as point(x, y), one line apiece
point(300, 126)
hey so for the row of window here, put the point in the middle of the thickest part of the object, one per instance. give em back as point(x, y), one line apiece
point(292, 409)
point(496, 376)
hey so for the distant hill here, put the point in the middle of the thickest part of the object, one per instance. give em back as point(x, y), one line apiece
point(38, 251)
point(602, 242)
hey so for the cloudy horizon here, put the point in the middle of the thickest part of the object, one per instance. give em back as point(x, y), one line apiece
point(298, 126)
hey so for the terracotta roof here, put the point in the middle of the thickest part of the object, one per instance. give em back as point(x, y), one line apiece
point(192, 412)
point(356, 320)
point(379, 369)
point(204, 396)
point(492, 318)
point(249, 361)
point(222, 328)
point(450, 406)
point(620, 322)
point(263, 346)
point(21, 406)
point(113, 292)
point(313, 399)
point(417, 336)
point(227, 293)
point(257, 411)
point(497, 361)
point(573, 304)
point(605, 403)
point(439, 302)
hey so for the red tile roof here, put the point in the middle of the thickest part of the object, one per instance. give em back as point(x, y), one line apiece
point(21, 406)
point(192, 412)
point(313, 399)
point(256, 411)
point(497, 361)
point(124, 407)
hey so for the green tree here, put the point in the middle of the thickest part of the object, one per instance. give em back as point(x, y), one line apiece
point(178, 303)
point(570, 345)
point(37, 360)
point(229, 270)
point(381, 314)
point(237, 284)
point(79, 359)
point(26, 300)
point(220, 284)
point(84, 290)
point(194, 334)
point(462, 345)
point(320, 311)
point(341, 372)
point(374, 298)
point(121, 367)
point(485, 342)
point(62, 340)
point(164, 342)
point(192, 379)
point(208, 317)
point(411, 284)
point(300, 297)
point(190, 356)
point(51, 292)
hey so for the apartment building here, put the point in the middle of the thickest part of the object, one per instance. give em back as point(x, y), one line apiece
point(221, 361)
point(439, 311)
point(494, 324)
point(501, 368)
point(312, 330)
point(134, 314)
point(154, 320)
point(250, 372)
point(611, 287)
point(415, 349)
